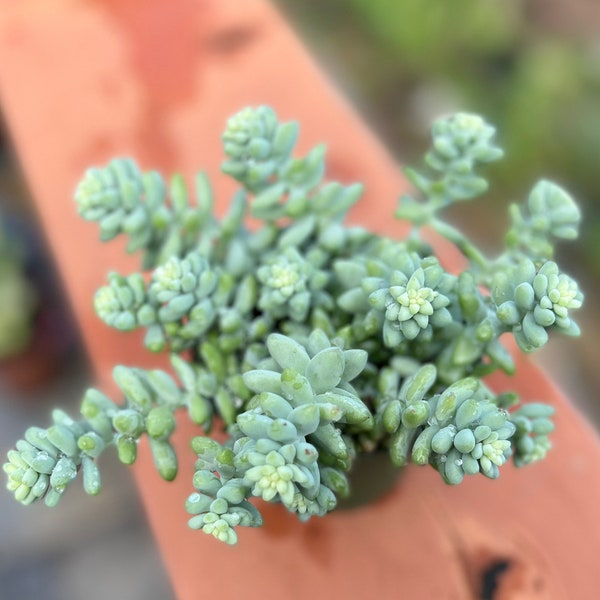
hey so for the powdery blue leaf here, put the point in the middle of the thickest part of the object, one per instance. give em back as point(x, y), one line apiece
point(355, 361)
point(325, 369)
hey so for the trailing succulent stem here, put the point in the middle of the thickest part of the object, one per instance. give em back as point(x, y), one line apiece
point(309, 341)
point(46, 461)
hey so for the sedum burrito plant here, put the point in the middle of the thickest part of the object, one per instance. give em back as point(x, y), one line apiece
point(307, 340)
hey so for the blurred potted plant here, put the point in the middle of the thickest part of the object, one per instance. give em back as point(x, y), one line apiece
point(35, 331)
point(306, 342)
point(17, 297)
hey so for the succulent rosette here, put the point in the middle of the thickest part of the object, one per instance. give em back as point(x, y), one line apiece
point(415, 301)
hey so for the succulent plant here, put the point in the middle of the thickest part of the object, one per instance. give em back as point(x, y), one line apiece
point(307, 341)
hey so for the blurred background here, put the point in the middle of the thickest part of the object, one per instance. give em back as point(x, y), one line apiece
point(531, 67)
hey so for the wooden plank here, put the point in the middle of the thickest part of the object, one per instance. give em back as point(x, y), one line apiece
point(81, 82)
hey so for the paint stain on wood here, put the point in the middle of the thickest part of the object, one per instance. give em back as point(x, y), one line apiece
point(160, 40)
point(232, 41)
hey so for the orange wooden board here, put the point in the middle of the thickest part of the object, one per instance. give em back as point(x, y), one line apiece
point(81, 82)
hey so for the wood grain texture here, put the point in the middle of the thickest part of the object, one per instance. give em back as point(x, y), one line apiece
point(81, 82)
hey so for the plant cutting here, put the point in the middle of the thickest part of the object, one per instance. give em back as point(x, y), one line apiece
point(306, 342)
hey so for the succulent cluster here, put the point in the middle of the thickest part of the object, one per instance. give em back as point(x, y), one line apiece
point(123, 200)
point(287, 445)
point(461, 431)
point(533, 300)
point(549, 213)
point(308, 341)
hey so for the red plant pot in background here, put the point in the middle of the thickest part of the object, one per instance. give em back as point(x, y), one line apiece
point(84, 82)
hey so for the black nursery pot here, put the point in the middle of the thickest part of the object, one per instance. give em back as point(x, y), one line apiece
point(372, 476)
